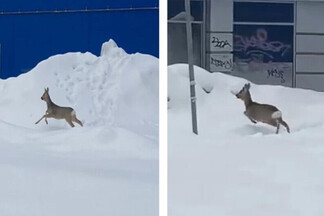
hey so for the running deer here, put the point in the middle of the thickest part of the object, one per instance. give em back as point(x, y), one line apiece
point(57, 112)
point(261, 112)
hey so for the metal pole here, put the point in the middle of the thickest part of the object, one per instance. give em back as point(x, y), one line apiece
point(0, 61)
point(294, 72)
point(191, 67)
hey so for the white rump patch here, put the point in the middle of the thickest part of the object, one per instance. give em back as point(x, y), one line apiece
point(73, 113)
point(276, 115)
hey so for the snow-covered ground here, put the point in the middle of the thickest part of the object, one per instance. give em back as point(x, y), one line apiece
point(107, 167)
point(236, 168)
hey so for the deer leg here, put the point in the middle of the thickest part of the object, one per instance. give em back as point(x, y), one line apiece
point(284, 124)
point(253, 121)
point(70, 122)
point(275, 123)
point(40, 119)
point(74, 119)
point(278, 126)
point(44, 116)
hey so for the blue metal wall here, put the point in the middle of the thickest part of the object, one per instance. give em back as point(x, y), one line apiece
point(27, 39)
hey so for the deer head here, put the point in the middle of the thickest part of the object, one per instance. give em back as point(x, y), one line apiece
point(244, 94)
point(45, 96)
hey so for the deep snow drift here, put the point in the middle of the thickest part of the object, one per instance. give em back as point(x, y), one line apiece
point(107, 167)
point(236, 168)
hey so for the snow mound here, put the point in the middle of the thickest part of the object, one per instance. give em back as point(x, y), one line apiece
point(111, 50)
point(215, 93)
point(115, 88)
point(234, 167)
point(98, 168)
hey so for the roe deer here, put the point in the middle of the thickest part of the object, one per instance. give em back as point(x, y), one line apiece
point(261, 112)
point(57, 112)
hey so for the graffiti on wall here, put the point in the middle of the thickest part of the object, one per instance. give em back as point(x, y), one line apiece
point(221, 62)
point(220, 42)
point(221, 47)
point(278, 72)
point(263, 53)
point(260, 48)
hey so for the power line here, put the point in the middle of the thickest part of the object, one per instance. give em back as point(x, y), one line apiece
point(86, 10)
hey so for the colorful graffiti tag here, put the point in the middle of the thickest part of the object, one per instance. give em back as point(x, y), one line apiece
point(254, 44)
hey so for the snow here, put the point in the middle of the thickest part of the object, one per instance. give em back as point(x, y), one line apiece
point(107, 167)
point(237, 168)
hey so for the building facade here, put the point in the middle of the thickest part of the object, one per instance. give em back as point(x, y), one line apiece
point(279, 42)
point(32, 31)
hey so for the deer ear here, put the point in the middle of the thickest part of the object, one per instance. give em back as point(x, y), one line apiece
point(47, 89)
point(247, 86)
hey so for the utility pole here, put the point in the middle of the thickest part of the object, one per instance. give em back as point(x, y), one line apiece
point(191, 67)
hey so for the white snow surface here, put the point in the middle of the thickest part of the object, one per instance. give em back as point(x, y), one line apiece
point(107, 167)
point(237, 168)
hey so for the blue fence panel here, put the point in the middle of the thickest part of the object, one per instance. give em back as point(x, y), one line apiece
point(30, 38)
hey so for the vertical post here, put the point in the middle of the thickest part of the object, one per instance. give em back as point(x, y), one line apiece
point(294, 72)
point(0, 60)
point(191, 67)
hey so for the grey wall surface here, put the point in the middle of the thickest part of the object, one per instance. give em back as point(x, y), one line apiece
point(310, 45)
point(221, 16)
point(306, 70)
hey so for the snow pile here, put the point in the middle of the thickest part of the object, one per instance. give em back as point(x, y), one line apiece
point(234, 167)
point(92, 170)
point(113, 89)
